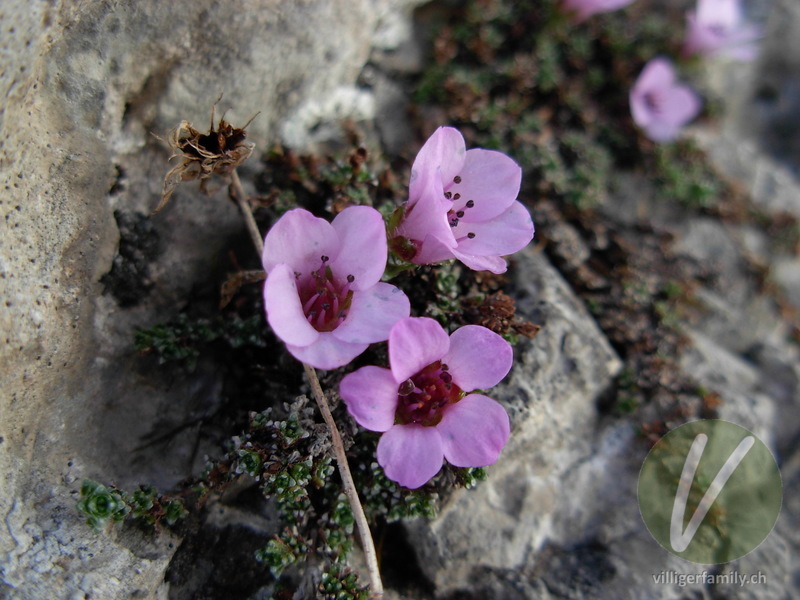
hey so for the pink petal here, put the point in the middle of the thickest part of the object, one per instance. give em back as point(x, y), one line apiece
point(444, 151)
point(726, 14)
point(426, 214)
point(372, 314)
point(327, 352)
point(587, 8)
point(681, 105)
point(478, 358)
point(431, 251)
point(284, 309)
point(474, 431)
point(495, 264)
point(662, 131)
point(507, 233)
point(657, 74)
point(640, 112)
point(410, 454)
point(491, 180)
point(362, 252)
point(299, 239)
point(414, 343)
point(371, 397)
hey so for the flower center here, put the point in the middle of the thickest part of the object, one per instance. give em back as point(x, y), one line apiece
point(423, 397)
point(653, 102)
point(325, 302)
point(717, 29)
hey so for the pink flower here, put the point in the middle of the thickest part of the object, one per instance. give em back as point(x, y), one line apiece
point(462, 204)
point(583, 9)
point(718, 26)
point(659, 104)
point(323, 294)
point(421, 404)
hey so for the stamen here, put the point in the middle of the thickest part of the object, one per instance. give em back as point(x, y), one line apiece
point(351, 278)
point(324, 258)
point(460, 214)
point(457, 179)
point(457, 196)
point(448, 195)
point(310, 302)
point(471, 235)
point(470, 203)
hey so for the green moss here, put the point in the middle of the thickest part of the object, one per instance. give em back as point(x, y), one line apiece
point(184, 338)
point(683, 175)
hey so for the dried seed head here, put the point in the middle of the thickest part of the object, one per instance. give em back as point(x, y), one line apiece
point(203, 154)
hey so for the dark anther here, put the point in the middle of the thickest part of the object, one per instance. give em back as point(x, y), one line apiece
point(445, 367)
point(460, 214)
point(297, 274)
point(448, 195)
point(470, 235)
point(324, 258)
point(457, 179)
point(351, 278)
point(446, 377)
point(326, 306)
point(453, 222)
point(470, 203)
point(457, 196)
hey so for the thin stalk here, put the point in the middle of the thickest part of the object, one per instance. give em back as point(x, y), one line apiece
point(244, 207)
point(347, 481)
point(349, 486)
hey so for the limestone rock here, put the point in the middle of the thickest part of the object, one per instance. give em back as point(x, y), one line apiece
point(85, 84)
point(551, 395)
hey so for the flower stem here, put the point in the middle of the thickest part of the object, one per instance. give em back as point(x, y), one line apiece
point(244, 207)
point(347, 482)
point(362, 525)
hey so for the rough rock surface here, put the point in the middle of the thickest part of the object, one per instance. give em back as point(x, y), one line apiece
point(84, 86)
point(550, 394)
point(86, 83)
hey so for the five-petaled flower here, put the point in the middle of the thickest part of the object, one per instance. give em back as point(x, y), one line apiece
point(718, 26)
point(583, 9)
point(422, 404)
point(659, 104)
point(462, 204)
point(323, 294)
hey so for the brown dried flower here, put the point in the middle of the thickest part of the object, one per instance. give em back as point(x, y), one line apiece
point(202, 154)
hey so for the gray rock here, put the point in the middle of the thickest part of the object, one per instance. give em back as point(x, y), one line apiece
point(551, 395)
point(85, 85)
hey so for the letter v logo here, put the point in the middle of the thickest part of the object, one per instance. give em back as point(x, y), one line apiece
point(678, 538)
point(709, 491)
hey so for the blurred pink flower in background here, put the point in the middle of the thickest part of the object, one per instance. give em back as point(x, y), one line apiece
point(462, 204)
point(323, 294)
point(659, 104)
point(718, 26)
point(583, 9)
point(421, 404)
